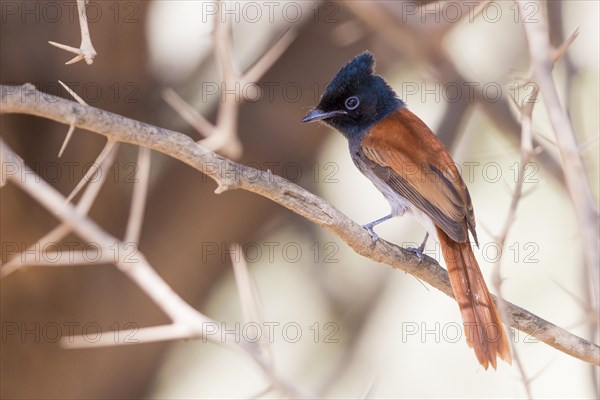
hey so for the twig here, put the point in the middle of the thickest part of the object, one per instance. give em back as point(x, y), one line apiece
point(72, 126)
point(235, 176)
point(222, 136)
point(357, 325)
point(188, 113)
point(86, 50)
point(94, 168)
point(266, 61)
point(138, 201)
point(187, 322)
point(413, 43)
point(58, 233)
point(248, 299)
point(369, 390)
point(91, 172)
point(526, 154)
point(584, 204)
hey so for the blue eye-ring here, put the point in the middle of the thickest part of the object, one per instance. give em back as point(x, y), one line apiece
point(352, 103)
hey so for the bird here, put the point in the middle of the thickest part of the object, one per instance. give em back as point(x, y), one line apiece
point(414, 171)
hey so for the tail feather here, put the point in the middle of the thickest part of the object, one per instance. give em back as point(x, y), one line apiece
point(482, 324)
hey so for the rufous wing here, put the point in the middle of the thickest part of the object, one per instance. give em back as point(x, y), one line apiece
point(415, 163)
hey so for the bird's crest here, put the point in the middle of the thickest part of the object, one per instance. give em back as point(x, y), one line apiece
point(359, 69)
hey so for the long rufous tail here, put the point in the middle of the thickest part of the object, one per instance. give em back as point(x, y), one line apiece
point(482, 324)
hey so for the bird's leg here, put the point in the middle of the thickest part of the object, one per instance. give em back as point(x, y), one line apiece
point(369, 227)
point(419, 250)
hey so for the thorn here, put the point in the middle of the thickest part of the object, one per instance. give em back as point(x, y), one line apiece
point(72, 93)
point(67, 138)
point(70, 49)
point(86, 54)
point(560, 51)
point(75, 59)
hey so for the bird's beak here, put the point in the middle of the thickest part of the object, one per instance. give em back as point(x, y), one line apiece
point(318, 115)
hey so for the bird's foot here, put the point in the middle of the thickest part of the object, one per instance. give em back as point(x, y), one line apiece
point(418, 252)
point(370, 225)
point(369, 229)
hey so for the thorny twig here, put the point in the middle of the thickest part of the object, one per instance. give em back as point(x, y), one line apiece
point(86, 50)
point(578, 186)
point(222, 136)
point(187, 322)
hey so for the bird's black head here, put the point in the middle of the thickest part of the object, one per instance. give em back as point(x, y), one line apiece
point(356, 98)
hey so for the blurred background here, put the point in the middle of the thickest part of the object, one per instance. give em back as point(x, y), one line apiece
point(341, 325)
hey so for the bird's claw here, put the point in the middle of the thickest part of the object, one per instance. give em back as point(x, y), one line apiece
point(418, 252)
point(372, 233)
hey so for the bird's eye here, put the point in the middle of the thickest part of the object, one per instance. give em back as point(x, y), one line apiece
point(352, 103)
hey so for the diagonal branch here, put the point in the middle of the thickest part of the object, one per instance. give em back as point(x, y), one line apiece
point(187, 322)
point(138, 201)
point(188, 113)
point(62, 230)
point(584, 203)
point(223, 135)
point(526, 152)
point(230, 175)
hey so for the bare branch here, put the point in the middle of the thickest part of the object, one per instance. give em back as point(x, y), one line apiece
point(223, 136)
point(527, 152)
point(94, 168)
point(187, 321)
point(58, 233)
point(100, 160)
point(245, 287)
point(248, 300)
point(266, 61)
point(413, 41)
point(135, 267)
point(23, 99)
point(188, 113)
point(582, 197)
point(138, 200)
